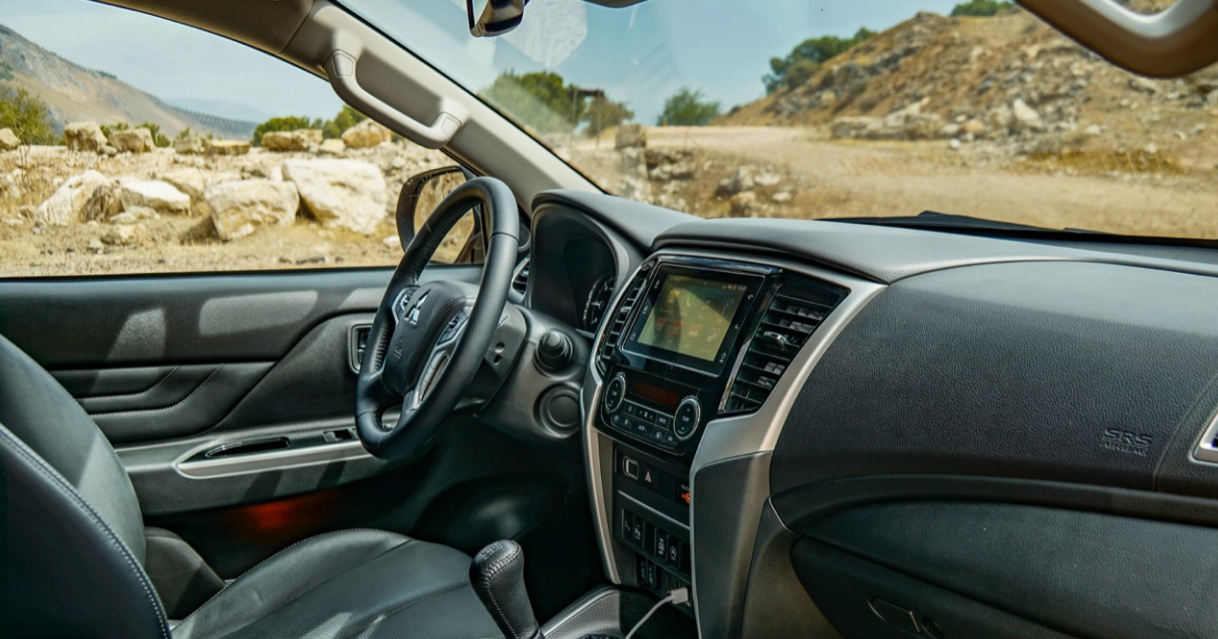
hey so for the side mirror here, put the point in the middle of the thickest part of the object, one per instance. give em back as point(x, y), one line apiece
point(494, 17)
point(420, 196)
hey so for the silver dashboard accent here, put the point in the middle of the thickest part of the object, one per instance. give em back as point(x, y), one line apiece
point(727, 437)
point(652, 511)
point(597, 613)
point(1206, 452)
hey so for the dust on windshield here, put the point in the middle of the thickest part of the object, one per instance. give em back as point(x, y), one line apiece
point(834, 109)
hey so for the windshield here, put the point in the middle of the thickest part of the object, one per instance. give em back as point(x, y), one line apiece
point(814, 109)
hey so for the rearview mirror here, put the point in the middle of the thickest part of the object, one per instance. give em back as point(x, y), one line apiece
point(493, 17)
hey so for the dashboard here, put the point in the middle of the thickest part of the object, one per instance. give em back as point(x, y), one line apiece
point(838, 430)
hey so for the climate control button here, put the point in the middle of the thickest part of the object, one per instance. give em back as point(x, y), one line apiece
point(685, 420)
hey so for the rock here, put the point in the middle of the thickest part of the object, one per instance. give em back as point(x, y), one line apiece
point(851, 128)
point(343, 193)
point(96, 245)
point(949, 131)
point(126, 217)
point(332, 147)
point(1001, 120)
point(127, 235)
point(741, 180)
point(1093, 130)
point(954, 145)
point(782, 197)
point(109, 151)
point(66, 205)
point(392, 242)
point(227, 147)
point(132, 141)
point(630, 136)
point(1145, 85)
point(366, 135)
point(103, 204)
point(159, 196)
point(190, 145)
point(299, 140)
point(192, 182)
point(9, 140)
point(239, 208)
point(744, 204)
point(1026, 118)
point(84, 136)
point(976, 128)
point(768, 179)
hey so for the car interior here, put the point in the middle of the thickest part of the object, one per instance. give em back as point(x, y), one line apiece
point(616, 419)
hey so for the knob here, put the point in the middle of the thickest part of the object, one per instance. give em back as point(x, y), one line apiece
point(615, 392)
point(554, 351)
point(497, 575)
point(685, 420)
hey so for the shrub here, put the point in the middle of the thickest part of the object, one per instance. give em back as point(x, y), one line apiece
point(27, 116)
point(982, 8)
point(289, 123)
point(688, 108)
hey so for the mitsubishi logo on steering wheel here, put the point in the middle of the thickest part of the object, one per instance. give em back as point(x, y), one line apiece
point(413, 315)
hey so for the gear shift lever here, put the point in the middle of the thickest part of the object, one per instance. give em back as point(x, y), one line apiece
point(497, 575)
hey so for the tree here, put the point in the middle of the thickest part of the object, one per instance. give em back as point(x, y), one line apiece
point(688, 108)
point(27, 116)
point(983, 8)
point(805, 60)
point(289, 123)
point(603, 113)
point(541, 101)
point(347, 117)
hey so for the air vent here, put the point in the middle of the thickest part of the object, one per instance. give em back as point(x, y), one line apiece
point(520, 282)
point(613, 335)
point(788, 322)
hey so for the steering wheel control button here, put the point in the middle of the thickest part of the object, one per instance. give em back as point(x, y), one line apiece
point(689, 411)
point(615, 393)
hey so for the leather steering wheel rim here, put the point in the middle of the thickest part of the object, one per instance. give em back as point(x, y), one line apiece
point(379, 387)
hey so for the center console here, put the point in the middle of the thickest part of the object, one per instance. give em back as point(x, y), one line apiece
point(691, 340)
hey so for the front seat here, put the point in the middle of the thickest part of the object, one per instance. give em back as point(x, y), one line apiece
point(73, 547)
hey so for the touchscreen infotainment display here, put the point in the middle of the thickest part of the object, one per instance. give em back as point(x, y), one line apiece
point(692, 316)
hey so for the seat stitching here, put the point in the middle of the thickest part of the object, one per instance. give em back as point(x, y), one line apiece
point(162, 408)
point(405, 538)
point(136, 393)
point(74, 497)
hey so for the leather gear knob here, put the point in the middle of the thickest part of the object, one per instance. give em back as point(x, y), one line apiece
point(497, 575)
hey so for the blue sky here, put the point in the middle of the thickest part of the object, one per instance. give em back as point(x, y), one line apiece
point(640, 55)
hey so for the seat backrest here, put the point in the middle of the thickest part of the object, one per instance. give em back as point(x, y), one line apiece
point(72, 533)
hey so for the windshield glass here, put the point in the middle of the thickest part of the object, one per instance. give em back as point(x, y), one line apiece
point(813, 109)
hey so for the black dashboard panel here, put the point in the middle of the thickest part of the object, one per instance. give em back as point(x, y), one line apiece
point(1024, 370)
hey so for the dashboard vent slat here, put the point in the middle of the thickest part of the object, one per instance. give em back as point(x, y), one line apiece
point(613, 335)
point(785, 326)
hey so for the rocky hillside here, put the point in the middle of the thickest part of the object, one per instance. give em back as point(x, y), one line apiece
point(75, 93)
point(1008, 79)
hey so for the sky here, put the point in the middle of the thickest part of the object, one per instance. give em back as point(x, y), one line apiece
point(639, 55)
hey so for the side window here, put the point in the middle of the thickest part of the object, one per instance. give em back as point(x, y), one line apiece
point(174, 150)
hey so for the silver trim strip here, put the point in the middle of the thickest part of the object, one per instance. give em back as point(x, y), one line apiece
point(275, 460)
point(1205, 452)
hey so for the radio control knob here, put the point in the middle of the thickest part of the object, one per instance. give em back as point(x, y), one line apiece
point(685, 419)
point(615, 393)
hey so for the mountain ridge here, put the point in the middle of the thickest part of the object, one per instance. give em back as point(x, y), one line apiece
point(73, 92)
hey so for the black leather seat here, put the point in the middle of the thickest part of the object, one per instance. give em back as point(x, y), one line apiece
point(74, 547)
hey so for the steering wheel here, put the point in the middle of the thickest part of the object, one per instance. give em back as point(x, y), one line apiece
point(428, 340)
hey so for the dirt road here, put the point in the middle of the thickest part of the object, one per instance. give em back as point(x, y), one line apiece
point(901, 178)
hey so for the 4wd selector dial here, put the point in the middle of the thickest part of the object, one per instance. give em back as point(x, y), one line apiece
point(685, 420)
